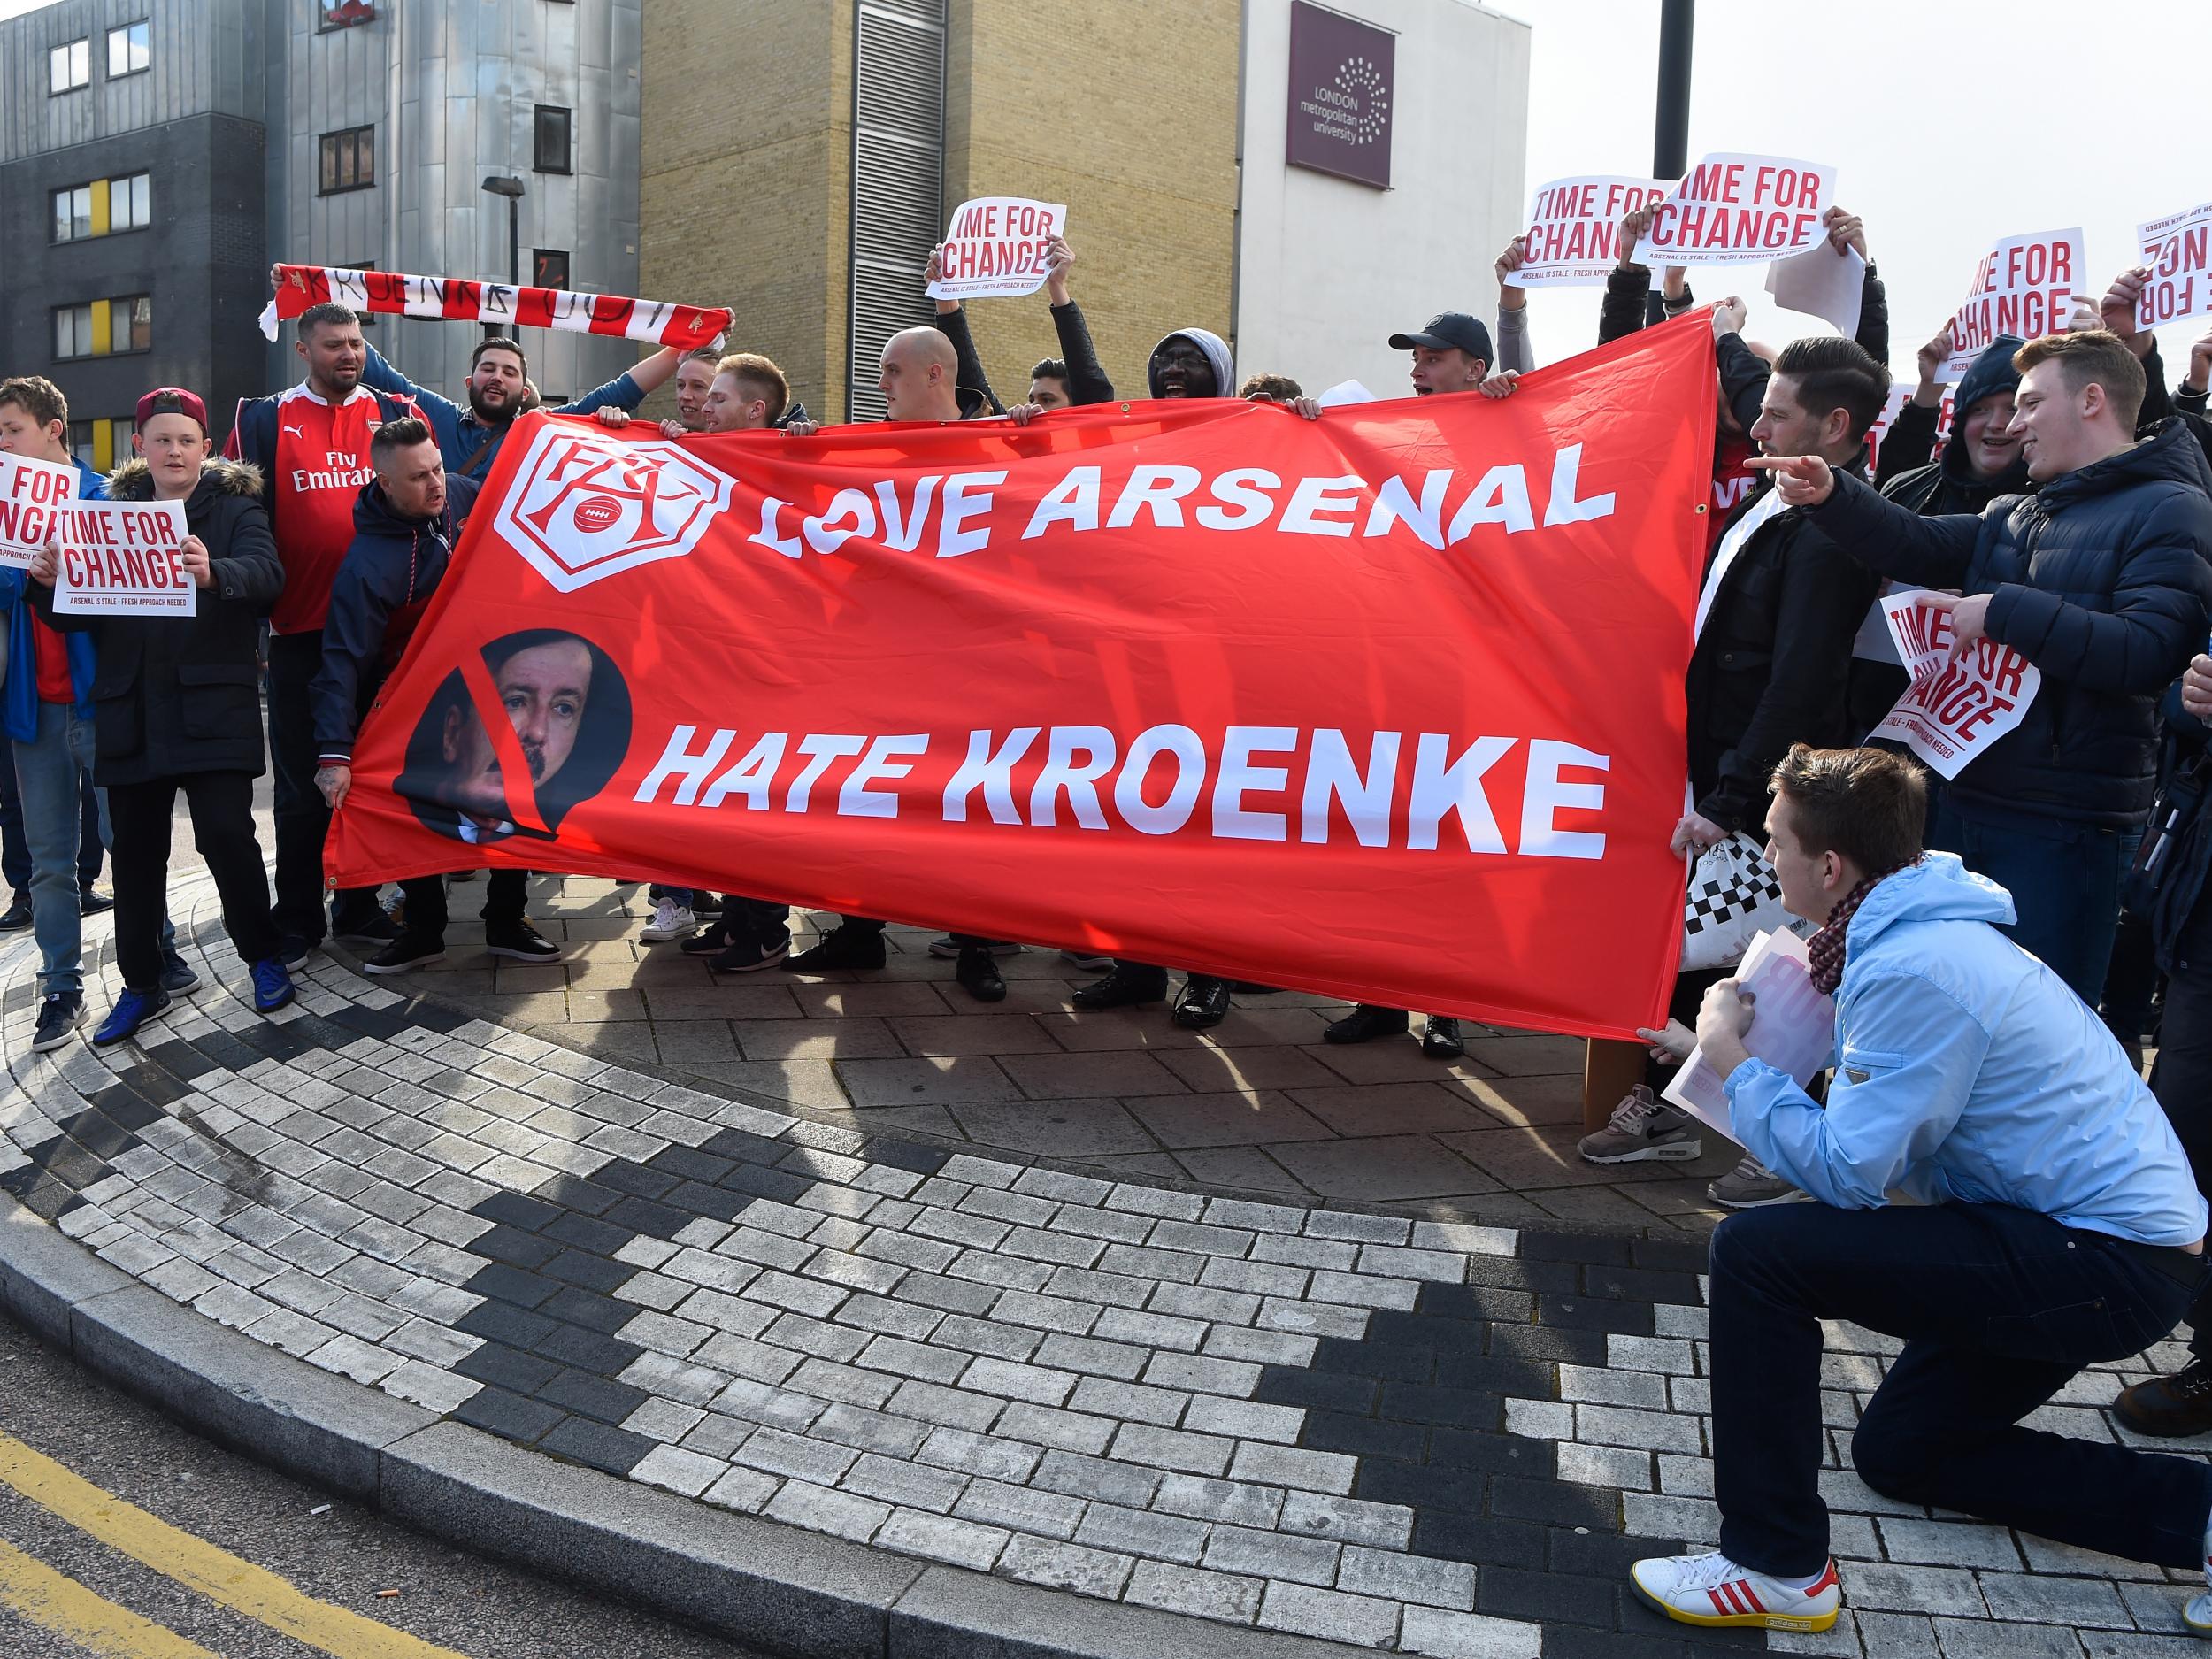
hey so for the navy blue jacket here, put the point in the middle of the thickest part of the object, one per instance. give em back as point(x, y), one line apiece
point(2100, 580)
point(468, 446)
point(391, 570)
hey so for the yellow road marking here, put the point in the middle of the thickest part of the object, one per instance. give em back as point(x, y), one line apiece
point(53, 1601)
point(237, 1584)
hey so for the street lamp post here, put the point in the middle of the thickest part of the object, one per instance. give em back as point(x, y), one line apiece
point(1670, 130)
point(501, 184)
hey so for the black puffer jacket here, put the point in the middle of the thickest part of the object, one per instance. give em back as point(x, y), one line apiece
point(174, 695)
point(2100, 580)
point(1772, 664)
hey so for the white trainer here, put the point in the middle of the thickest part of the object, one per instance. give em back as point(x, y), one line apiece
point(1710, 1589)
point(671, 920)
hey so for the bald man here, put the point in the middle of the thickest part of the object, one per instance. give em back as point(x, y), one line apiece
point(919, 380)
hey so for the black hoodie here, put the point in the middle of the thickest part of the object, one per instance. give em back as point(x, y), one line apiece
point(2100, 580)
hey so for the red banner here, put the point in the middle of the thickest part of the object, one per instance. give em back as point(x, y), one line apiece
point(1387, 705)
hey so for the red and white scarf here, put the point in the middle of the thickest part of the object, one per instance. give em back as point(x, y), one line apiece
point(458, 299)
point(1825, 948)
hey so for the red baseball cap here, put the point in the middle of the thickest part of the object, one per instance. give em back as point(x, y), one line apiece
point(170, 400)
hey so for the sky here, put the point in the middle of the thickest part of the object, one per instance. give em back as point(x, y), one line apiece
point(1950, 123)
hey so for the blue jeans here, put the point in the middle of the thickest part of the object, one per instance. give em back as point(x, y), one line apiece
point(1999, 1309)
point(15, 858)
point(50, 772)
point(2064, 879)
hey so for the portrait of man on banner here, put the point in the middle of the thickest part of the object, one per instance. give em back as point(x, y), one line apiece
point(567, 711)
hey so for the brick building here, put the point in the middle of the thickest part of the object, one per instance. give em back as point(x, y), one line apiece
point(800, 161)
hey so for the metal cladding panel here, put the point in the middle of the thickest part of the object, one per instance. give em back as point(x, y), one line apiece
point(451, 87)
point(898, 207)
point(203, 58)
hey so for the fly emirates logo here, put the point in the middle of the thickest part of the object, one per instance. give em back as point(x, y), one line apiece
point(339, 470)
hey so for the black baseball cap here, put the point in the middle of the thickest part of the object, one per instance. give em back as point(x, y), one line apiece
point(1448, 331)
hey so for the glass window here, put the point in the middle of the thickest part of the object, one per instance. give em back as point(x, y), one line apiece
point(548, 267)
point(130, 50)
point(73, 331)
point(69, 67)
point(103, 207)
point(347, 160)
point(132, 324)
point(552, 143)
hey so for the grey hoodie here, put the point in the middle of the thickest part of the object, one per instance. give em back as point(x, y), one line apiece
point(1216, 351)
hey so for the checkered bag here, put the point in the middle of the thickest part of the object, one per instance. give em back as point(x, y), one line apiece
point(1733, 897)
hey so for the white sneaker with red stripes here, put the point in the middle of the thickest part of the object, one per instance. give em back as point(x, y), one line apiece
point(1710, 1589)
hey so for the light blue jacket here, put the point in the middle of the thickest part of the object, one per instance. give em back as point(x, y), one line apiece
point(1966, 1069)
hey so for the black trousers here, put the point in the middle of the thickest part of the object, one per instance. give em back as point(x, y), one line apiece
point(504, 891)
point(222, 829)
point(874, 925)
point(302, 817)
point(1999, 1309)
point(2182, 1080)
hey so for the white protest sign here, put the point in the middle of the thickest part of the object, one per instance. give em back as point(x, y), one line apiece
point(2023, 286)
point(2176, 250)
point(32, 492)
point(1901, 393)
point(125, 559)
point(1572, 227)
point(1793, 1028)
point(1741, 210)
point(1821, 283)
point(996, 248)
point(1953, 709)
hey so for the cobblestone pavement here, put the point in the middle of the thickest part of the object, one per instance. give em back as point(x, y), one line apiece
point(1424, 1435)
point(1260, 1104)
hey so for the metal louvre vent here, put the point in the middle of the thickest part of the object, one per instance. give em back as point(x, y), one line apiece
point(898, 205)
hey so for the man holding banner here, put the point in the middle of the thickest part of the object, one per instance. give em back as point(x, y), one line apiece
point(179, 709)
point(499, 376)
point(2099, 581)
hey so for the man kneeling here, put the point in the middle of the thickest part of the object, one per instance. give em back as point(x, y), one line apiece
point(2054, 1224)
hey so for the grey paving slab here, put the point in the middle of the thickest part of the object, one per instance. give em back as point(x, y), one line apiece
point(1132, 1394)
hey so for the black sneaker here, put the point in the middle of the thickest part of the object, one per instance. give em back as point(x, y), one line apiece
point(841, 947)
point(17, 917)
point(979, 974)
point(407, 951)
point(91, 902)
point(1440, 1039)
point(1126, 986)
point(745, 956)
point(292, 951)
point(59, 1016)
point(1203, 1004)
point(708, 942)
point(519, 941)
point(371, 927)
point(2173, 1406)
point(1365, 1023)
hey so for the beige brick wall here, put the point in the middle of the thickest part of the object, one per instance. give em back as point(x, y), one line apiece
point(746, 156)
point(1127, 111)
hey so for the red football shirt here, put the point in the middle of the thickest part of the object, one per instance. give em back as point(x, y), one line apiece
point(322, 461)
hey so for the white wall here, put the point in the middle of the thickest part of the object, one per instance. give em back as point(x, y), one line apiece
point(1328, 270)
